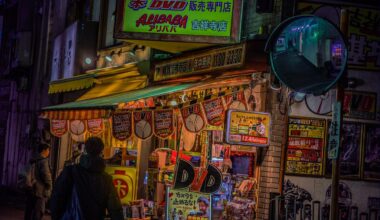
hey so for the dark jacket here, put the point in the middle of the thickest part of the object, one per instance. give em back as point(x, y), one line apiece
point(95, 189)
point(43, 185)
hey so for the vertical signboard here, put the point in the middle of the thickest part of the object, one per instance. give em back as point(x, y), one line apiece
point(305, 146)
point(175, 20)
point(334, 132)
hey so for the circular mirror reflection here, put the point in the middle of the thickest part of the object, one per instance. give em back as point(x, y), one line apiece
point(308, 54)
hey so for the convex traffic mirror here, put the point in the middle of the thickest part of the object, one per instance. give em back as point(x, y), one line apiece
point(307, 53)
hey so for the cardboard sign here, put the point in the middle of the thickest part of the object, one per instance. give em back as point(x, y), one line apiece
point(163, 123)
point(248, 128)
point(214, 111)
point(95, 126)
point(58, 127)
point(143, 124)
point(193, 118)
point(124, 180)
point(236, 101)
point(188, 205)
point(122, 125)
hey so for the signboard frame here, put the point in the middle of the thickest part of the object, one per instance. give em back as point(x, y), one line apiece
point(254, 114)
point(169, 190)
point(323, 143)
point(233, 38)
point(190, 62)
point(358, 148)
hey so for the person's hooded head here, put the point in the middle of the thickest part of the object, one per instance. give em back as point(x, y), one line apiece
point(92, 159)
point(203, 204)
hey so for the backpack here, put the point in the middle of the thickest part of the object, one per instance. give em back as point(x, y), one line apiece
point(26, 178)
point(73, 210)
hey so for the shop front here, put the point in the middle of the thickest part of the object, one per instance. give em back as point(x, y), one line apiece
point(192, 145)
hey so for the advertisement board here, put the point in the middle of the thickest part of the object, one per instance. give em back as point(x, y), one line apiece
point(188, 205)
point(248, 128)
point(173, 20)
point(124, 180)
point(307, 137)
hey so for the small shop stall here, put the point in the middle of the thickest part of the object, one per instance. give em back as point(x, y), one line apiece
point(184, 147)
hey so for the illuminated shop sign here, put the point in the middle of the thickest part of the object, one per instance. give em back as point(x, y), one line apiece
point(213, 18)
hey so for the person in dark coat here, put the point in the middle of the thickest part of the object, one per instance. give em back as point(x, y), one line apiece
point(95, 189)
point(37, 197)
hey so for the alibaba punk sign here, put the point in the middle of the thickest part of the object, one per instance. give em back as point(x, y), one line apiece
point(173, 20)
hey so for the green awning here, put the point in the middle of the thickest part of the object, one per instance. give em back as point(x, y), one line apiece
point(109, 102)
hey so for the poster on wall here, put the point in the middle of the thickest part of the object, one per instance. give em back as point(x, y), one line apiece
point(360, 105)
point(58, 127)
point(248, 128)
point(143, 124)
point(236, 101)
point(349, 151)
point(193, 118)
point(95, 126)
point(122, 125)
point(188, 205)
point(214, 111)
point(163, 123)
point(305, 146)
point(372, 152)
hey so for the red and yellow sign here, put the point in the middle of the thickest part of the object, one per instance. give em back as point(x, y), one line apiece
point(124, 180)
point(58, 127)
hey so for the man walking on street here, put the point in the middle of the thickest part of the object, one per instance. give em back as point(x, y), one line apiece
point(85, 191)
point(37, 197)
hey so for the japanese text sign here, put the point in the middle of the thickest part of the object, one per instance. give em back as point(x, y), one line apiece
point(334, 138)
point(122, 125)
point(248, 128)
point(211, 18)
point(163, 123)
point(305, 146)
point(188, 205)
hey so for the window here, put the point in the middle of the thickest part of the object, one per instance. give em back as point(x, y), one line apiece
point(107, 23)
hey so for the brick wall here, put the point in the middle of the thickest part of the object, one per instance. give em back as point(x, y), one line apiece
point(269, 168)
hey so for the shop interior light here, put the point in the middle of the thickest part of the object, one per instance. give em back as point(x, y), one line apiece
point(173, 103)
point(88, 60)
point(108, 58)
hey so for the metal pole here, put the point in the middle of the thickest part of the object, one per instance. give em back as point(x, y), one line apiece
point(334, 208)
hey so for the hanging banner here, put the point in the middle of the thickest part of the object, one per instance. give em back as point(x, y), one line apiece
point(122, 125)
point(188, 205)
point(95, 126)
point(236, 101)
point(77, 127)
point(193, 118)
point(248, 128)
point(58, 127)
point(214, 111)
point(163, 123)
point(143, 123)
